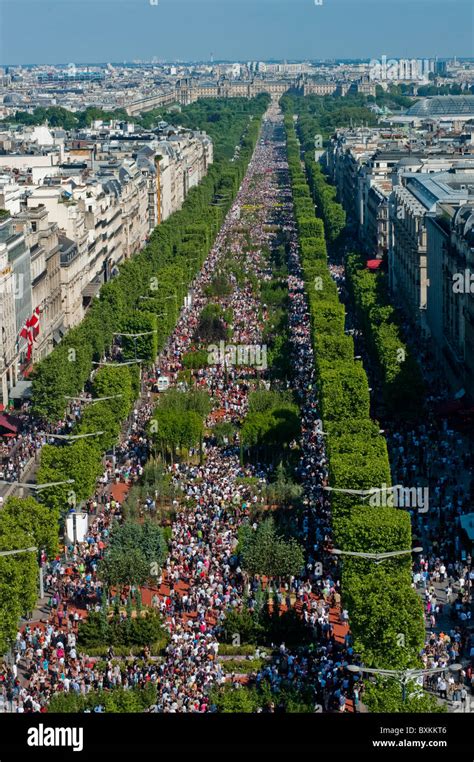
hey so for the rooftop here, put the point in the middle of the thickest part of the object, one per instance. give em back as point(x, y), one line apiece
point(443, 105)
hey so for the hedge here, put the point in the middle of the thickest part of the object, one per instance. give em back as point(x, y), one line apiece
point(344, 390)
point(378, 529)
point(386, 616)
point(385, 612)
point(313, 247)
point(402, 382)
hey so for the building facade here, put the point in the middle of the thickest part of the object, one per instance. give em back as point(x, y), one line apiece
point(450, 308)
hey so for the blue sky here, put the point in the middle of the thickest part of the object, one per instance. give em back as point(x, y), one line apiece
point(63, 31)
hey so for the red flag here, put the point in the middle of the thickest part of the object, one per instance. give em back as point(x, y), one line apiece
point(31, 330)
point(33, 323)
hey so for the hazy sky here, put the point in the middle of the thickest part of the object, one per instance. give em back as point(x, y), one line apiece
point(64, 31)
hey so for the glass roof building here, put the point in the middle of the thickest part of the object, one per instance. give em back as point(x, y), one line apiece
point(444, 105)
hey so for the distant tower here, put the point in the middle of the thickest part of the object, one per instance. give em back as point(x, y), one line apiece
point(212, 58)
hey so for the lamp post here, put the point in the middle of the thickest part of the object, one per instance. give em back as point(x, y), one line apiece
point(377, 557)
point(38, 486)
point(92, 400)
point(362, 493)
point(117, 364)
point(403, 676)
point(197, 259)
point(73, 437)
point(136, 336)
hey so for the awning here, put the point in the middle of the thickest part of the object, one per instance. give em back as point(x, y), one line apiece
point(58, 333)
point(20, 390)
point(374, 264)
point(11, 424)
point(92, 289)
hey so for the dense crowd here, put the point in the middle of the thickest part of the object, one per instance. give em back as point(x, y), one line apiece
point(18, 451)
point(201, 579)
point(437, 457)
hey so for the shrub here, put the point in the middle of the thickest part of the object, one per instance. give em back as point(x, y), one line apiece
point(194, 360)
point(115, 700)
point(344, 391)
point(99, 630)
point(242, 666)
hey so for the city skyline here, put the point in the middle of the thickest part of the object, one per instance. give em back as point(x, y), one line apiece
point(232, 30)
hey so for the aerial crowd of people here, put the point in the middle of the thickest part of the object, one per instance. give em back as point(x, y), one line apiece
point(201, 579)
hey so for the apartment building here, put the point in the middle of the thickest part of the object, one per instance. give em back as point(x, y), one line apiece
point(63, 207)
point(10, 193)
point(366, 164)
point(450, 307)
point(100, 204)
point(73, 261)
point(417, 196)
point(42, 240)
point(182, 160)
point(75, 206)
point(8, 294)
point(376, 229)
point(134, 203)
point(345, 155)
point(15, 303)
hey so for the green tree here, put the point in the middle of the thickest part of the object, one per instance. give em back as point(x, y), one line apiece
point(385, 695)
point(386, 619)
point(134, 554)
point(265, 552)
point(18, 579)
point(35, 519)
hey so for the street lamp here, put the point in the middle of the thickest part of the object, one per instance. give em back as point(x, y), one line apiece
point(73, 437)
point(21, 550)
point(38, 486)
point(117, 364)
point(377, 557)
point(136, 335)
point(403, 676)
point(363, 493)
point(91, 400)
